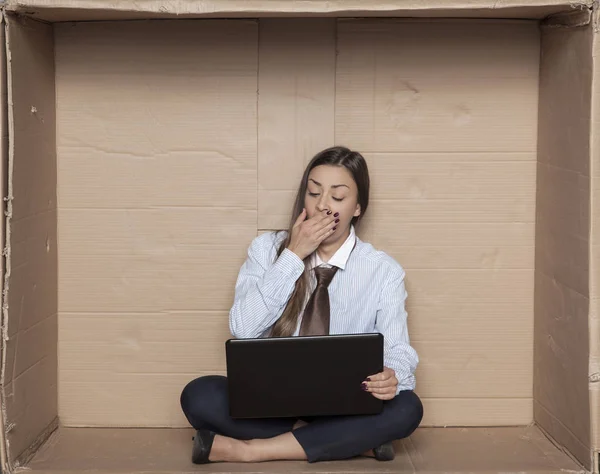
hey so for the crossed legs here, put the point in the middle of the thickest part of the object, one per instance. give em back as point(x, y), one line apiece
point(204, 402)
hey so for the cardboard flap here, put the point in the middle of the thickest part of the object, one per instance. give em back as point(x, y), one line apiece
point(77, 10)
point(29, 372)
point(562, 291)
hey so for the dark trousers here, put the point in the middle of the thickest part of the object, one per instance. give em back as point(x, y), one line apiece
point(206, 406)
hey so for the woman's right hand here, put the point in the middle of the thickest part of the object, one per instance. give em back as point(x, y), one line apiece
point(307, 234)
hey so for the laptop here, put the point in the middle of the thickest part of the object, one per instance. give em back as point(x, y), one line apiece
point(303, 376)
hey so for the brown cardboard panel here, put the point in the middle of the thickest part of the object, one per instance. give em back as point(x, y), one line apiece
point(389, 231)
point(444, 242)
point(33, 272)
point(565, 51)
point(32, 109)
point(446, 372)
point(143, 343)
point(30, 370)
point(173, 130)
point(522, 449)
point(146, 359)
point(148, 262)
point(31, 346)
point(296, 95)
point(126, 399)
point(437, 450)
point(482, 412)
point(166, 232)
point(561, 343)
point(559, 311)
point(458, 336)
point(447, 256)
point(563, 214)
point(448, 176)
point(550, 423)
point(31, 404)
point(71, 10)
point(125, 283)
point(432, 94)
point(471, 287)
point(90, 176)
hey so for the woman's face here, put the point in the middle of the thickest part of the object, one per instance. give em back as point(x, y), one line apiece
point(332, 188)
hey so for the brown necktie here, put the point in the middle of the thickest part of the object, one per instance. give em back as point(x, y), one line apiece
point(315, 321)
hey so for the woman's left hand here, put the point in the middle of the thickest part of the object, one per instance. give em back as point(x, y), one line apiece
point(382, 385)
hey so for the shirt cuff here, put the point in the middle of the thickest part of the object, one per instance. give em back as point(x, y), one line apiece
point(290, 264)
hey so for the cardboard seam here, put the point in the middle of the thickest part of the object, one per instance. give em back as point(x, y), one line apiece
point(566, 428)
point(580, 15)
point(559, 446)
point(30, 452)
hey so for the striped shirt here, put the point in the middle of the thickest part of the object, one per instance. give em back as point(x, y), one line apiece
point(367, 295)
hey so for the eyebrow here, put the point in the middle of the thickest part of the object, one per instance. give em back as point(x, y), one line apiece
point(334, 186)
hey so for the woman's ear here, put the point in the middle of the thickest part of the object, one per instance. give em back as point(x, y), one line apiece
point(357, 211)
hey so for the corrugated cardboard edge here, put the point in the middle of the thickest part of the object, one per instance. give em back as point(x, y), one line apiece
point(7, 199)
point(72, 10)
point(4, 183)
point(594, 317)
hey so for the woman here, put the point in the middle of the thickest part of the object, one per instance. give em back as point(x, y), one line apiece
point(366, 294)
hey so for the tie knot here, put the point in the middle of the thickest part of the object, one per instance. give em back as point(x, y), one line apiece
point(325, 275)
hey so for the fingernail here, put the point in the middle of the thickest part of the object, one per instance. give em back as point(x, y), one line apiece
point(368, 379)
point(337, 220)
point(336, 214)
point(328, 213)
point(335, 228)
point(364, 386)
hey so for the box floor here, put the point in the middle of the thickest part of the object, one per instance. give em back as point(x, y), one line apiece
point(429, 450)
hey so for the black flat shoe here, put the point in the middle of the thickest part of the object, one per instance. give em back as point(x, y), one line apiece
point(203, 442)
point(385, 452)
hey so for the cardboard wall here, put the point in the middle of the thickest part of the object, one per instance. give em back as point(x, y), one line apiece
point(157, 165)
point(562, 291)
point(170, 163)
point(30, 367)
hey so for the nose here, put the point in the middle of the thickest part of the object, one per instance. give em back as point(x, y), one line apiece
point(322, 204)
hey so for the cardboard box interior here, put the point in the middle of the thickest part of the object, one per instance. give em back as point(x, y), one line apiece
point(141, 158)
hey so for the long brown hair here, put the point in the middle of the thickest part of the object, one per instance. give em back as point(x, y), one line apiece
point(334, 156)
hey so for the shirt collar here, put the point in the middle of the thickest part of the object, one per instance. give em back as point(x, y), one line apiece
point(340, 257)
